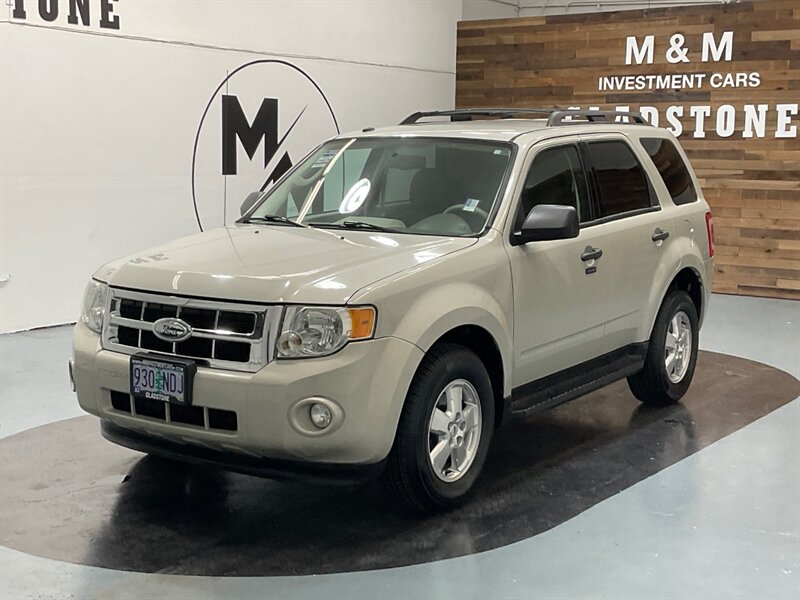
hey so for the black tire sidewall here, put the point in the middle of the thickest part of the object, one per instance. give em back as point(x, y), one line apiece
point(676, 301)
point(454, 364)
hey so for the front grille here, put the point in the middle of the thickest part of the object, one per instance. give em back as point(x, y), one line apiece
point(195, 416)
point(223, 335)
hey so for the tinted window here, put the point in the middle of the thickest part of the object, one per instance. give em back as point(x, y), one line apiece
point(556, 177)
point(672, 169)
point(621, 179)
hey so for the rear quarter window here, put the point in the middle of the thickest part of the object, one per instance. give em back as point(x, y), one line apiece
point(670, 165)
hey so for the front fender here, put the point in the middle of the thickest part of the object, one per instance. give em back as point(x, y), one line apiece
point(443, 309)
point(471, 287)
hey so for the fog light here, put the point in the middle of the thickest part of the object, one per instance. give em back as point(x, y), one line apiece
point(320, 415)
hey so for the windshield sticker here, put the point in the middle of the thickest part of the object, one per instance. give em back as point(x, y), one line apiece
point(502, 151)
point(471, 204)
point(324, 159)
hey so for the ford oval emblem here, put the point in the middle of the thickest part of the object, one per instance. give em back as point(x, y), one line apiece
point(172, 330)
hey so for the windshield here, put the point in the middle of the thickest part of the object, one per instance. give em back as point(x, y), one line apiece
point(404, 185)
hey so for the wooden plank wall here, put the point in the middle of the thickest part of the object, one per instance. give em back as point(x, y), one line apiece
point(752, 184)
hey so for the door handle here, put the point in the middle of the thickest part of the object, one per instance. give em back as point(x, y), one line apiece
point(659, 235)
point(590, 253)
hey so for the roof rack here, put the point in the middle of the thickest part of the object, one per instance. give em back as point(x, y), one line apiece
point(565, 117)
point(555, 116)
point(466, 114)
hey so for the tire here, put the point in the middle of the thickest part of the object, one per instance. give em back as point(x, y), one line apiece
point(410, 475)
point(656, 384)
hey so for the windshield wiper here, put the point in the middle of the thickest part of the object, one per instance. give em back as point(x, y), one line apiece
point(356, 225)
point(273, 219)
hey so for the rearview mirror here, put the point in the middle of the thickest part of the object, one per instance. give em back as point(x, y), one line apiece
point(549, 222)
point(248, 203)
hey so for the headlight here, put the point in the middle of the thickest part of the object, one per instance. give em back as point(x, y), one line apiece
point(322, 330)
point(94, 305)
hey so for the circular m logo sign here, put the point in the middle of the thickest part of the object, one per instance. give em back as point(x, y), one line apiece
point(263, 117)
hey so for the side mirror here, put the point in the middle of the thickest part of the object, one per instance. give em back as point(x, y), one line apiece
point(248, 203)
point(549, 222)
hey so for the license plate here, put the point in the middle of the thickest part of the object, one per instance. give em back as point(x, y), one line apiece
point(165, 380)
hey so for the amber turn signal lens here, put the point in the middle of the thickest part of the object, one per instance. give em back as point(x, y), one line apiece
point(362, 323)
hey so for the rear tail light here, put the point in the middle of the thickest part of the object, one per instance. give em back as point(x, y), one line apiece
point(710, 232)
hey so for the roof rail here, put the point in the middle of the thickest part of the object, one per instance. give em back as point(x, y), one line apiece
point(466, 114)
point(565, 117)
point(555, 116)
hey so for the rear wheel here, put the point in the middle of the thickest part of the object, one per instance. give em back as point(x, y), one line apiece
point(671, 353)
point(444, 431)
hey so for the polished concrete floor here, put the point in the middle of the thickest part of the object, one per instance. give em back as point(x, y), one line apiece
point(698, 501)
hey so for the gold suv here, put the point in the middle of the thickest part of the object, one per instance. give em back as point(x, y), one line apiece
point(403, 291)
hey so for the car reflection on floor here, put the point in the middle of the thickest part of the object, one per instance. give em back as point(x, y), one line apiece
point(99, 504)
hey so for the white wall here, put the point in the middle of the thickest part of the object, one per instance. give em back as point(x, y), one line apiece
point(97, 125)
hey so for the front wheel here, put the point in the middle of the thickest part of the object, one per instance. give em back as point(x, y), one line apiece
point(671, 353)
point(444, 430)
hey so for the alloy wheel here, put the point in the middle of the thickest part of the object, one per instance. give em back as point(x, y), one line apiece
point(678, 346)
point(454, 430)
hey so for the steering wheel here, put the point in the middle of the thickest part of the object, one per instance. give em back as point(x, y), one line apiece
point(476, 218)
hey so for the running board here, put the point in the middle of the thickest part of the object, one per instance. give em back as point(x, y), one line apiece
point(576, 381)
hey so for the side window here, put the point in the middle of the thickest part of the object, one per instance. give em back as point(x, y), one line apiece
point(621, 180)
point(555, 177)
point(673, 170)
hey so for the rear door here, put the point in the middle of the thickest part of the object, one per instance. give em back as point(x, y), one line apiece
point(639, 231)
point(559, 293)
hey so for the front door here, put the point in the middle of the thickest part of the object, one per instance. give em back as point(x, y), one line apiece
point(560, 291)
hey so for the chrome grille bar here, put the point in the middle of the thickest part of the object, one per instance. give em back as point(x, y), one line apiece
point(231, 345)
point(209, 334)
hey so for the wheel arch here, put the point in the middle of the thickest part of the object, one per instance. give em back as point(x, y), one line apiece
point(688, 279)
point(482, 343)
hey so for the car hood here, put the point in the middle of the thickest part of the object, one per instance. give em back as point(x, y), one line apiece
point(275, 263)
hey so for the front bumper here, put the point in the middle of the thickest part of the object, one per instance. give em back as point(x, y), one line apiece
point(367, 381)
point(241, 463)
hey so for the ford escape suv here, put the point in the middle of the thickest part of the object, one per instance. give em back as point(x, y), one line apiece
point(400, 293)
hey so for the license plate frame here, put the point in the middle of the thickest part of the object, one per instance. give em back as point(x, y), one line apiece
point(177, 367)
